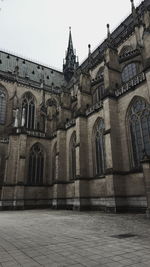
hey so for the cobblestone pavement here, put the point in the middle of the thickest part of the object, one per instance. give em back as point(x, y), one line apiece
point(68, 238)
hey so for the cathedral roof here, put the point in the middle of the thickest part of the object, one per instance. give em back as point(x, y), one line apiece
point(29, 72)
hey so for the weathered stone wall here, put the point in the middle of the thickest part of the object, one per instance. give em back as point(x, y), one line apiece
point(73, 111)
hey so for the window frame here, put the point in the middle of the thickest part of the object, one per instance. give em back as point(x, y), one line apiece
point(30, 181)
point(133, 164)
point(98, 130)
point(28, 97)
point(127, 65)
point(98, 93)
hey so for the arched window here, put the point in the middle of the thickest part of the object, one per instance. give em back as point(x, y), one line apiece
point(99, 148)
point(139, 125)
point(98, 93)
point(36, 165)
point(28, 105)
point(54, 162)
point(2, 106)
point(129, 72)
point(72, 156)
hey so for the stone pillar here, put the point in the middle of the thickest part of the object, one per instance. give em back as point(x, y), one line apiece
point(146, 40)
point(146, 171)
point(63, 116)
point(59, 190)
point(112, 135)
point(84, 99)
point(138, 35)
point(112, 150)
point(61, 151)
point(81, 200)
point(13, 188)
point(112, 73)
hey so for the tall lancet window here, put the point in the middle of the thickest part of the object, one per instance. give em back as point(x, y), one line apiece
point(139, 126)
point(36, 165)
point(99, 148)
point(28, 110)
point(2, 106)
point(72, 156)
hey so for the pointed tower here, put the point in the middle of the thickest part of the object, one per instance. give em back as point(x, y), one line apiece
point(70, 62)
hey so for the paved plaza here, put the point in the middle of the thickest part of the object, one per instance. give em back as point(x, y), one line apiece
point(68, 238)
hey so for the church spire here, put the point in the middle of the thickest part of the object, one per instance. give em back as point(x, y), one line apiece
point(70, 62)
point(70, 43)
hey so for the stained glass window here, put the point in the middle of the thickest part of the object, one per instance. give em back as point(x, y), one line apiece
point(28, 104)
point(99, 148)
point(36, 165)
point(129, 72)
point(139, 123)
point(98, 93)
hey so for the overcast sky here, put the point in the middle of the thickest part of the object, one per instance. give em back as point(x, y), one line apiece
point(38, 29)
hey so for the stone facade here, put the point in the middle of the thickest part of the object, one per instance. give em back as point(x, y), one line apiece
point(79, 139)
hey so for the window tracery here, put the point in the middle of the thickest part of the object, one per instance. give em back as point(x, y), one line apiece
point(98, 93)
point(36, 165)
point(28, 105)
point(129, 72)
point(99, 148)
point(139, 125)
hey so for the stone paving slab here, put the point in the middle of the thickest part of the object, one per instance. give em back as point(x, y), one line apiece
point(67, 238)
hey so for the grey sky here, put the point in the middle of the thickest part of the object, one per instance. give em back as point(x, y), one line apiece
point(38, 29)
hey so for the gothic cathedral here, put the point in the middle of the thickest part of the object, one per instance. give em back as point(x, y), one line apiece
point(80, 138)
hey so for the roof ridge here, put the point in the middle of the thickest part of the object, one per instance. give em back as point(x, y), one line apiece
point(15, 54)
